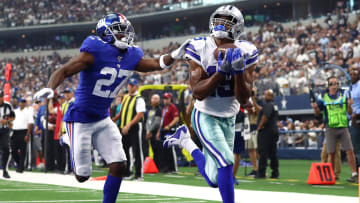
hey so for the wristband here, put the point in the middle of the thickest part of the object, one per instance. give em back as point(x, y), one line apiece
point(162, 64)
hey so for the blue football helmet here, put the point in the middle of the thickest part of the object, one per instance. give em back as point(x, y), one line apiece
point(114, 28)
point(227, 22)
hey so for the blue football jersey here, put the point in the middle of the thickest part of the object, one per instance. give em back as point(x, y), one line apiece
point(100, 83)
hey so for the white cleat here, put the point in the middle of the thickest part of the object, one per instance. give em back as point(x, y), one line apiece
point(175, 139)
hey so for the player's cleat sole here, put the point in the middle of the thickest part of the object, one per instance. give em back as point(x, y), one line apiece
point(175, 139)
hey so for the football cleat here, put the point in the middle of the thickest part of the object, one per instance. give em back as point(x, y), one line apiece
point(175, 139)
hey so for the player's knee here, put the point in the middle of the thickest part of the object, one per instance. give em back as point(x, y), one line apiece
point(118, 169)
point(82, 179)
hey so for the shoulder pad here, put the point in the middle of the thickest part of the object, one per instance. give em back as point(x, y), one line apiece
point(250, 50)
point(198, 42)
point(194, 48)
point(92, 44)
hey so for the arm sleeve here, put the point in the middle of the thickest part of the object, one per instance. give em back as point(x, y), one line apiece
point(140, 105)
point(91, 44)
point(192, 53)
point(30, 116)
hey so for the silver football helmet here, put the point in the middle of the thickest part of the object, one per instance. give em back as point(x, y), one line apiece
point(227, 22)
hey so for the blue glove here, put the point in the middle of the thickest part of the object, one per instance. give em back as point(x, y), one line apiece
point(238, 61)
point(224, 63)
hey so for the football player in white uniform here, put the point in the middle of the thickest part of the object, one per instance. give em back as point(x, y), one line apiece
point(219, 86)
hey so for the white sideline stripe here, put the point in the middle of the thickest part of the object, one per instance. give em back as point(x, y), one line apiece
point(184, 191)
point(91, 200)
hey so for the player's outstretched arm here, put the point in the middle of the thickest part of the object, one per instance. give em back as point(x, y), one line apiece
point(202, 85)
point(164, 62)
point(152, 64)
point(75, 65)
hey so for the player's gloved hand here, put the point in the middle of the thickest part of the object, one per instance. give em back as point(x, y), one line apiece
point(238, 61)
point(179, 52)
point(224, 61)
point(45, 92)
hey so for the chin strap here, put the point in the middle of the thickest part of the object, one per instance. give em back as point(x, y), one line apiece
point(120, 45)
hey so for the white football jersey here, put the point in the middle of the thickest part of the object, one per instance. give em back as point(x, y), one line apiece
point(222, 103)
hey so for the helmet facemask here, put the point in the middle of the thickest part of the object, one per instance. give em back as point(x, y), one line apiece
point(226, 22)
point(123, 34)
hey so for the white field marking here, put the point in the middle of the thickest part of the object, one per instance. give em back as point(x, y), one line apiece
point(246, 181)
point(173, 176)
point(40, 189)
point(329, 186)
point(184, 191)
point(91, 200)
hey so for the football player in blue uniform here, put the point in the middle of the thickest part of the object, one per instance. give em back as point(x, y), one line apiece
point(219, 83)
point(105, 63)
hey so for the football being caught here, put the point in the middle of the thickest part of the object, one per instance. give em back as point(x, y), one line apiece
point(222, 48)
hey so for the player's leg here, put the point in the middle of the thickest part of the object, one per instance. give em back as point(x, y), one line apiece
point(217, 138)
point(182, 138)
point(225, 175)
point(107, 140)
point(80, 148)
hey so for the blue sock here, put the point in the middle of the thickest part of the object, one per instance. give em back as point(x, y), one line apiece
point(226, 184)
point(199, 158)
point(111, 189)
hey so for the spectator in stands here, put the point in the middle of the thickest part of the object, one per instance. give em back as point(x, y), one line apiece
point(132, 127)
point(169, 120)
point(335, 104)
point(268, 136)
point(7, 115)
point(355, 117)
point(22, 128)
point(152, 127)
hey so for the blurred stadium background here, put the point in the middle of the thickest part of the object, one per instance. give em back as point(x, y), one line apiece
point(36, 37)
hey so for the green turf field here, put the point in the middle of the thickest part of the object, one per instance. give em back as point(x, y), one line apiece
point(293, 178)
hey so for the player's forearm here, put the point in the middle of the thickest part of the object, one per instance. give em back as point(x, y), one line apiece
point(56, 79)
point(205, 87)
point(241, 90)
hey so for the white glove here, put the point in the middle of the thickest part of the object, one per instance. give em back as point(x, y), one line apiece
point(238, 61)
point(179, 52)
point(45, 92)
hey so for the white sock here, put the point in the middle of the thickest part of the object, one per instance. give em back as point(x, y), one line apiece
point(353, 174)
point(189, 145)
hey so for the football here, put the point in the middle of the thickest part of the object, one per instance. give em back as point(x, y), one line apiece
point(223, 48)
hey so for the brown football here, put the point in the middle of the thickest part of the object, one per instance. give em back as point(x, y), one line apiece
point(223, 48)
